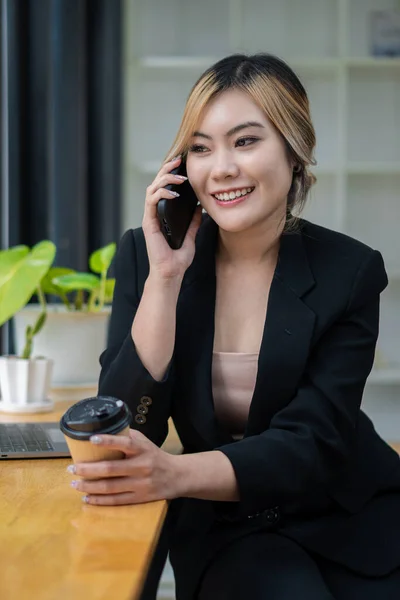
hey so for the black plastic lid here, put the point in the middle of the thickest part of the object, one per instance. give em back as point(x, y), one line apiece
point(99, 414)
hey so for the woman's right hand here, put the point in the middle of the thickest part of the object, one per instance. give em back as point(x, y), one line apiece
point(165, 262)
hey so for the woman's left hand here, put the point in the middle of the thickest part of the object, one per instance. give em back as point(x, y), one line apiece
point(146, 474)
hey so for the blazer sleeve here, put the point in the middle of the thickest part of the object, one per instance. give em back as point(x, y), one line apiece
point(310, 440)
point(122, 372)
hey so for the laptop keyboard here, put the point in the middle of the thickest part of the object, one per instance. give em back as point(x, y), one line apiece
point(23, 438)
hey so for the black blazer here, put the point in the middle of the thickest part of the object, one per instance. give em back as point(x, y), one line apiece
point(311, 465)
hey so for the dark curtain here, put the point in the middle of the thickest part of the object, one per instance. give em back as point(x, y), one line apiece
point(63, 89)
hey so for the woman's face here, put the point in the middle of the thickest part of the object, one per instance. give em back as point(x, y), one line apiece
point(237, 164)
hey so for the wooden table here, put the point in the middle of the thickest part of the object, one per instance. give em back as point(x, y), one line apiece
point(53, 547)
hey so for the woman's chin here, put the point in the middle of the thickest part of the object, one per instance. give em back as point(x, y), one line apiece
point(239, 219)
point(233, 223)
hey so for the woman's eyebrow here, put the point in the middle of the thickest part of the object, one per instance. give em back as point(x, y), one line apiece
point(232, 131)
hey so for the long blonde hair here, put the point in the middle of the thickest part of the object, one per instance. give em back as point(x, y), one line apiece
point(277, 90)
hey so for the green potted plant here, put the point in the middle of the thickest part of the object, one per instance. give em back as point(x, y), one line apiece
point(76, 328)
point(24, 379)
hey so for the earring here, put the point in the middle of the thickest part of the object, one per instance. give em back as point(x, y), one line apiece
point(297, 169)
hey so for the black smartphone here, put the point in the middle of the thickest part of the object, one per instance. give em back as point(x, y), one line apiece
point(176, 214)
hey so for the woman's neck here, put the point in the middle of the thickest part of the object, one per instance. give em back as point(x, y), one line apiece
point(256, 245)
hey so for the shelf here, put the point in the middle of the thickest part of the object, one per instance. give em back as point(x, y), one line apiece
point(373, 117)
point(358, 23)
point(372, 168)
point(291, 28)
point(203, 62)
point(317, 64)
point(354, 99)
point(173, 27)
point(372, 62)
point(389, 376)
point(176, 62)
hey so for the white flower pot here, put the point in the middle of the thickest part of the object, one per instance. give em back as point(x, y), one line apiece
point(73, 340)
point(24, 383)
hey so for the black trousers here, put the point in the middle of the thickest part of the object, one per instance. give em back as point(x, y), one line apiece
point(272, 567)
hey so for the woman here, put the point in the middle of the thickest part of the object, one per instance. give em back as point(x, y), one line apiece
point(257, 337)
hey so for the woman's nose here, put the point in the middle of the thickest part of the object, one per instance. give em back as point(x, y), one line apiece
point(224, 166)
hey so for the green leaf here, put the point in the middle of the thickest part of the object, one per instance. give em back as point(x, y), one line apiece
point(20, 275)
point(109, 291)
point(101, 259)
point(77, 281)
point(47, 282)
point(8, 259)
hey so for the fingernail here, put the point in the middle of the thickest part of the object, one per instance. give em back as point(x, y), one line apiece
point(85, 499)
point(74, 484)
point(176, 157)
point(174, 193)
point(71, 469)
point(182, 177)
point(95, 439)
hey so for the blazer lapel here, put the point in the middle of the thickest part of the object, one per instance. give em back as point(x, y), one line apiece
point(287, 335)
point(285, 343)
point(195, 337)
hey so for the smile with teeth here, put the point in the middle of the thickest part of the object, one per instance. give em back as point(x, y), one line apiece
point(227, 196)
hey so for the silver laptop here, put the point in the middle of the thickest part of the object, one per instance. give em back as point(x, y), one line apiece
point(32, 440)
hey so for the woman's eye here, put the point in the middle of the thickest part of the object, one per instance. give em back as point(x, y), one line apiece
point(197, 148)
point(246, 141)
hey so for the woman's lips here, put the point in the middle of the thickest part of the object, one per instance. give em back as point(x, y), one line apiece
point(234, 201)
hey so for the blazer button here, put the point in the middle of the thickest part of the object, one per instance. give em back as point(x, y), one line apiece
point(140, 419)
point(146, 400)
point(143, 410)
point(272, 515)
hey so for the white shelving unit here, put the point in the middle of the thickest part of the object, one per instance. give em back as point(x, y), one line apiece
point(355, 106)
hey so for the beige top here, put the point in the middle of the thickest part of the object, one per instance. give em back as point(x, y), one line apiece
point(233, 381)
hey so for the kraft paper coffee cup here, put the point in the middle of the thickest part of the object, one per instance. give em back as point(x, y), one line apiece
point(94, 416)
